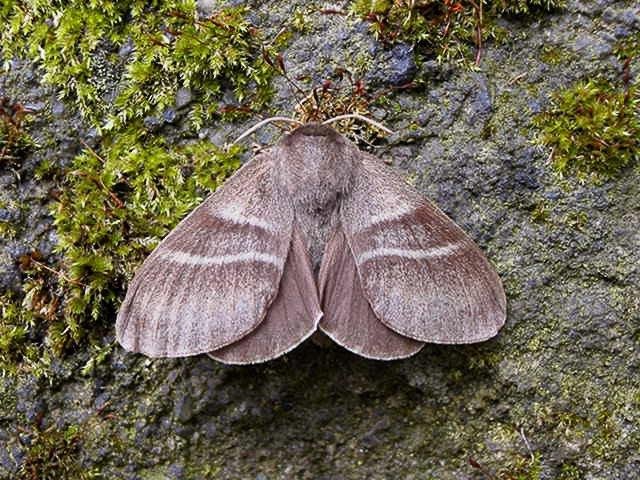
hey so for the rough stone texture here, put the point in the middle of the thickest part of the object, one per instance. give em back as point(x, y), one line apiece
point(24, 200)
point(556, 395)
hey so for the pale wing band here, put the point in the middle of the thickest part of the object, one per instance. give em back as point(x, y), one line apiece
point(231, 215)
point(391, 214)
point(190, 259)
point(411, 254)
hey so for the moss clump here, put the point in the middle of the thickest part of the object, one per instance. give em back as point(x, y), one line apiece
point(123, 64)
point(627, 49)
point(342, 94)
point(52, 454)
point(570, 472)
point(14, 141)
point(169, 47)
point(593, 128)
point(14, 329)
point(523, 468)
point(449, 29)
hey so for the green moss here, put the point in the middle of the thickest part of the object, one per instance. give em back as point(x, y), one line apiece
point(343, 93)
point(14, 141)
point(540, 211)
point(52, 454)
point(14, 328)
point(171, 48)
point(23, 331)
point(118, 200)
point(628, 48)
point(450, 30)
point(524, 468)
point(554, 55)
point(9, 226)
point(570, 472)
point(300, 20)
point(593, 128)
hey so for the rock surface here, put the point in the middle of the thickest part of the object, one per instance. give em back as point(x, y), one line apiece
point(555, 396)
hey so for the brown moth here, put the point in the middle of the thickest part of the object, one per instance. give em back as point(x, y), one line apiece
point(312, 234)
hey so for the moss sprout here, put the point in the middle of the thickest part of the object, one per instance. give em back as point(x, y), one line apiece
point(157, 47)
point(341, 94)
point(448, 29)
point(593, 128)
point(14, 328)
point(52, 454)
point(14, 141)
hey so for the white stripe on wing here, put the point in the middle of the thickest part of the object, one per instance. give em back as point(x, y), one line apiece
point(191, 259)
point(433, 252)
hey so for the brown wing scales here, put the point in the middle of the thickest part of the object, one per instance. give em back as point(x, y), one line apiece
point(292, 317)
point(422, 275)
point(348, 317)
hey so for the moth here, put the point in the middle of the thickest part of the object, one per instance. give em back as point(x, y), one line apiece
point(311, 235)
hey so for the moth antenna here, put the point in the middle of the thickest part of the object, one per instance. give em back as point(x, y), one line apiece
point(263, 123)
point(359, 117)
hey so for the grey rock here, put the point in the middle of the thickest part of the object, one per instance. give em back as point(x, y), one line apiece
point(126, 49)
point(35, 107)
point(152, 123)
point(432, 70)
point(57, 108)
point(210, 430)
point(184, 96)
point(402, 65)
point(480, 106)
point(9, 215)
point(35, 410)
point(176, 471)
point(183, 408)
point(10, 460)
point(395, 67)
point(169, 115)
point(206, 7)
point(630, 18)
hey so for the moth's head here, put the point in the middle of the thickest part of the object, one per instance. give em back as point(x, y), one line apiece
point(312, 133)
point(313, 143)
point(315, 162)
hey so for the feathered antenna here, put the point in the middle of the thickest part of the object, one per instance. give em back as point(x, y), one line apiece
point(356, 116)
point(264, 122)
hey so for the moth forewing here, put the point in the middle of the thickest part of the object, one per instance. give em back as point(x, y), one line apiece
point(211, 281)
point(422, 275)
